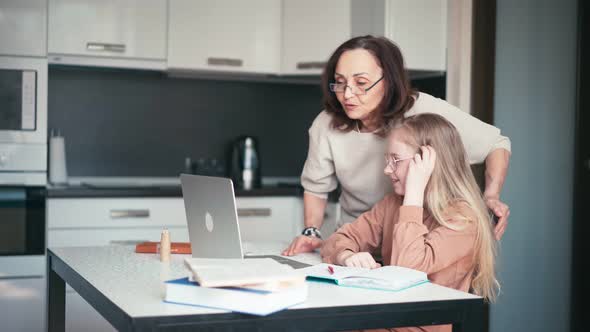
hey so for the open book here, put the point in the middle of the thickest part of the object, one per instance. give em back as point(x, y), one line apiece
point(256, 273)
point(392, 278)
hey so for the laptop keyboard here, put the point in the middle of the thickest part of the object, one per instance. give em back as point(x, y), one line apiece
point(283, 260)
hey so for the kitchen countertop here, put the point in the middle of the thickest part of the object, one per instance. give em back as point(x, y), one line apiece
point(154, 187)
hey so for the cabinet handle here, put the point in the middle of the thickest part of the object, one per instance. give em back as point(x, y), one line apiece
point(224, 62)
point(126, 242)
point(311, 65)
point(254, 212)
point(105, 47)
point(120, 214)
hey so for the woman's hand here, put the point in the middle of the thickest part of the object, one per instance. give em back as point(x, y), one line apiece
point(359, 259)
point(419, 171)
point(302, 243)
point(502, 211)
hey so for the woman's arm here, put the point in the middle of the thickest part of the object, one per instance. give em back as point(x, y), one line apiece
point(314, 208)
point(313, 216)
point(496, 169)
point(483, 142)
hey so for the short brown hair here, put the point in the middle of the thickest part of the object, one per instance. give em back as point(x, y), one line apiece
point(398, 97)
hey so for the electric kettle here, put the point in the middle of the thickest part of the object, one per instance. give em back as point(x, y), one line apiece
point(245, 163)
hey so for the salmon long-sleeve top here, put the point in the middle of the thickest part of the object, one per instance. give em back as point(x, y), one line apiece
point(408, 236)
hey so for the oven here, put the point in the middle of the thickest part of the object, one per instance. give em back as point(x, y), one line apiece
point(23, 176)
point(22, 258)
point(23, 121)
point(22, 221)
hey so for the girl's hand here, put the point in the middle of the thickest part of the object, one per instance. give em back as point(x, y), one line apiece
point(419, 171)
point(359, 259)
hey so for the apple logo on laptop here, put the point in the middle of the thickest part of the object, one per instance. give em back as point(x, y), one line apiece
point(209, 222)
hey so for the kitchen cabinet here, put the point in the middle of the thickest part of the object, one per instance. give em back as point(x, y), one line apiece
point(104, 221)
point(225, 36)
point(277, 219)
point(113, 33)
point(23, 304)
point(108, 221)
point(418, 27)
point(23, 28)
point(311, 32)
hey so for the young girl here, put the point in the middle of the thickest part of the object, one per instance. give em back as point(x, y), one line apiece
point(435, 220)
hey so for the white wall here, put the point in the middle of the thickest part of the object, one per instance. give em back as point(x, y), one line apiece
point(534, 106)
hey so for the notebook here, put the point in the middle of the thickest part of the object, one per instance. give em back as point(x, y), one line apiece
point(390, 278)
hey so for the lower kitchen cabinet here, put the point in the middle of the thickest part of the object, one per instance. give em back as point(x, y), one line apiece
point(23, 304)
point(276, 219)
point(108, 221)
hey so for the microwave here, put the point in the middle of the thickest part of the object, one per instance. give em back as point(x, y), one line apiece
point(23, 121)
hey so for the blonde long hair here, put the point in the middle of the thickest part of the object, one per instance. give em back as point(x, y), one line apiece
point(451, 183)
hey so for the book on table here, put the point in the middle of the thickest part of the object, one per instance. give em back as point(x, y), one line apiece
point(389, 277)
point(251, 301)
point(239, 272)
point(252, 286)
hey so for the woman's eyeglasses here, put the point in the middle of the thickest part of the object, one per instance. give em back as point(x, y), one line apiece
point(355, 89)
point(391, 161)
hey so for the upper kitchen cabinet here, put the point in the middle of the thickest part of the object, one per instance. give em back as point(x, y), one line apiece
point(23, 27)
point(110, 33)
point(225, 36)
point(311, 32)
point(418, 27)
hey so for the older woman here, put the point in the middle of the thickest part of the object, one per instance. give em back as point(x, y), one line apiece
point(365, 88)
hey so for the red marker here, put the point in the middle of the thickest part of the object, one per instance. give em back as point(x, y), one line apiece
point(330, 269)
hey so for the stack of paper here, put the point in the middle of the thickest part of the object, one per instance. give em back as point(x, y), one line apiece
point(253, 286)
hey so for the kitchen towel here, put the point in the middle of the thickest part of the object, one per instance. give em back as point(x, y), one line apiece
point(58, 173)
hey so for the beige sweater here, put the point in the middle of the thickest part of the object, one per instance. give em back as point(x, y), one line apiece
point(408, 236)
point(355, 160)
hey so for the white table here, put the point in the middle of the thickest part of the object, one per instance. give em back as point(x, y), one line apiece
point(127, 289)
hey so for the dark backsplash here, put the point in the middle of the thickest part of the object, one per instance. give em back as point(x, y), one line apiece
point(142, 123)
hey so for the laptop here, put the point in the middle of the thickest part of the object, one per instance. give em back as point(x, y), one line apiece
point(213, 227)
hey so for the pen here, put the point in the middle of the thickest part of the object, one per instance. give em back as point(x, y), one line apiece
point(330, 269)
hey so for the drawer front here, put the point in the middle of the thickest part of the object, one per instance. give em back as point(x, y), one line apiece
point(269, 218)
point(115, 212)
point(103, 237)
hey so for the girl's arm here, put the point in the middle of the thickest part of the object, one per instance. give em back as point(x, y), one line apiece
point(415, 247)
point(362, 235)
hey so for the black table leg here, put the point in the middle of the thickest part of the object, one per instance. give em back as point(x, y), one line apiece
point(56, 299)
point(474, 319)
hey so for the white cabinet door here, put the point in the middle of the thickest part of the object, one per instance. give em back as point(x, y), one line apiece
point(311, 32)
point(114, 213)
point(225, 35)
point(418, 27)
point(115, 29)
point(275, 219)
point(23, 27)
point(23, 304)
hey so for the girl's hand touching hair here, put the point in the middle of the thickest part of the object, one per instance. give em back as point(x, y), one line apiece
point(419, 171)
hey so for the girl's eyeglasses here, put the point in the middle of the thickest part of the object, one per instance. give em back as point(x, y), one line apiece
point(391, 161)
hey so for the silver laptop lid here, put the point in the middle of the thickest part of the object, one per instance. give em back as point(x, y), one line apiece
point(211, 215)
